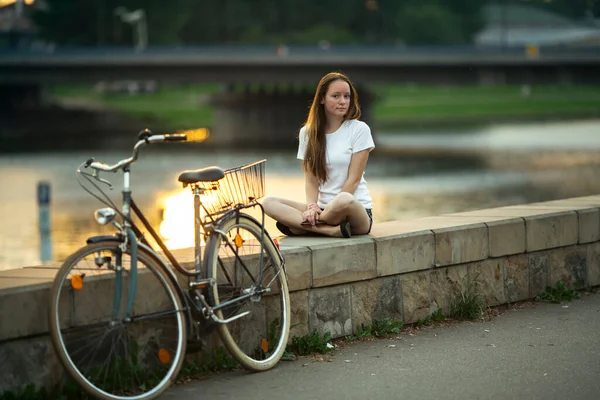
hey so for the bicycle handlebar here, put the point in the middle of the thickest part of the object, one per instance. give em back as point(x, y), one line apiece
point(146, 139)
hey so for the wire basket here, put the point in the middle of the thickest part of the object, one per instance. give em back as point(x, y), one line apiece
point(240, 186)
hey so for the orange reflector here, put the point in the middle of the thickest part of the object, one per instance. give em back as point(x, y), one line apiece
point(164, 356)
point(238, 240)
point(77, 282)
point(264, 345)
point(276, 241)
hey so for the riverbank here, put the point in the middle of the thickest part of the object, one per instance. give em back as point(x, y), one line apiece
point(395, 107)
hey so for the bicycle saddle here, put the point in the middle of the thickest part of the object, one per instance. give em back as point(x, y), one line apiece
point(208, 174)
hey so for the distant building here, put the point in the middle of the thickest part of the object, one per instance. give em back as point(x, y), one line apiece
point(522, 25)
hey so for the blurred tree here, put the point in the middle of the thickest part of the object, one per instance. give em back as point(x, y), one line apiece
point(429, 23)
point(265, 21)
point(92, 22)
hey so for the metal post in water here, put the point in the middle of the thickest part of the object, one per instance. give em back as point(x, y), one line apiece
point(43, 196)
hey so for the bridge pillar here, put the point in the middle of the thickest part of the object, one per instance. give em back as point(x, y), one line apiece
point(265, 116)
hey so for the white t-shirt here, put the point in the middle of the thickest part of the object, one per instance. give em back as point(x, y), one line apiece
point(352, 136)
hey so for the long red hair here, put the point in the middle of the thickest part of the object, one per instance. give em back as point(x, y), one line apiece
point(314, 159)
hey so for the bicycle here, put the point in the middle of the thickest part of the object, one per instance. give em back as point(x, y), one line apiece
point(120, 316)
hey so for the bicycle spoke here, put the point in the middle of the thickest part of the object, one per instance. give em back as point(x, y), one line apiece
point(258, 339)
point(117, 358)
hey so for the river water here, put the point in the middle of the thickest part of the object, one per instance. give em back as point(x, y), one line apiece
point(409, 176)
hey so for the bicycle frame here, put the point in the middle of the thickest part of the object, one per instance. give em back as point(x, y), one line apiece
point(130, 233)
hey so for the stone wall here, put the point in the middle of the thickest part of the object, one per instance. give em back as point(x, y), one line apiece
point(405, 270)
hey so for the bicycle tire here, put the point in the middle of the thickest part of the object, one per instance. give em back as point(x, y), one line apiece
point(149, 354)
point(268, 316)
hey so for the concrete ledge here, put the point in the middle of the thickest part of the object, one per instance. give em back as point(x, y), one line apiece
point(405, 252)
point(403, 270)
point(548, 231)
point(589, 225)
point(506, 237)
point(343, 261)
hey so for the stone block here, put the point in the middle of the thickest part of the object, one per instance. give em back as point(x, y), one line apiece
point(461, 244)
point(415, 296)
point(299, 313)
point(446, 285)
point(568, 265)
point(375, 300)
point(329, 310)
point(593, 264)
point(24, 312)
point(516, 278)
point(298, 268)
point(488, 278)
point(506, 237)
point(405, 253)
point(26, 278)
point(341, 262)
point(30, 360)
point(538, 273)
point(589, 225)
point(551, 230)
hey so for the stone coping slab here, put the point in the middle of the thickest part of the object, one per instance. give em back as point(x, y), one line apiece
point(392, 248)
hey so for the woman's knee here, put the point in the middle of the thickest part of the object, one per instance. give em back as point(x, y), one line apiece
point(269, 202)
point(345, 201)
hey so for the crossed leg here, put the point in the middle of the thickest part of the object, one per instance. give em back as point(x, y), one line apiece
point(344, 207)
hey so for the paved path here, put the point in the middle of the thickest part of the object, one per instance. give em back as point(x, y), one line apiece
point(548, 351)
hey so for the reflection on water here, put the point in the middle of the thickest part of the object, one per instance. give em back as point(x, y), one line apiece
point(401, 187)
point(177, 225)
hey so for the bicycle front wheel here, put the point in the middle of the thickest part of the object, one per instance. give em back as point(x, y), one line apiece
point(258, 340)
point(110, 352)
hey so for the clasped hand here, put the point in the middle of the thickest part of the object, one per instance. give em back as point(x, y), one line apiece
point(311, 215)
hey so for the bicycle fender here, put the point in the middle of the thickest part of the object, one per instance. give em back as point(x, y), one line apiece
point(107, 238)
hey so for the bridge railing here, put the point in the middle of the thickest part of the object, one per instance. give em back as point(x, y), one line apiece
point(355, 51)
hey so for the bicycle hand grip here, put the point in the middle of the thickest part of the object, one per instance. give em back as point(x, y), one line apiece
point(175, 137)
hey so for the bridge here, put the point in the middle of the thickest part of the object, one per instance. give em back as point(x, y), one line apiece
point(293, 71)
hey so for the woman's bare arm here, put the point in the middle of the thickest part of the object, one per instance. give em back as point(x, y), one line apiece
point(358, 162)
point(311, 184)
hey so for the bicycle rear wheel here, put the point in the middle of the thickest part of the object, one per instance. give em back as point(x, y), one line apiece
point(111, 355)
point(258, 340)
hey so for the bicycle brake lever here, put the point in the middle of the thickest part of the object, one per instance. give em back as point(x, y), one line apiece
point(96, 177)
point(110, 186)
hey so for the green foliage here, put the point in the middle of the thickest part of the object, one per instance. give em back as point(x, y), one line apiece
point(93, 22)
point(557, 294)
point(314, 342)
point(469, 304)
point(386, 326)
point(216, 361)
point(437, 316)
point(378, 328)
point(31, 392)
point(362, 332)
point(428, 23)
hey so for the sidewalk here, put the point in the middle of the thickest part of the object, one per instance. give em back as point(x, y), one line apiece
point(548, 351)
